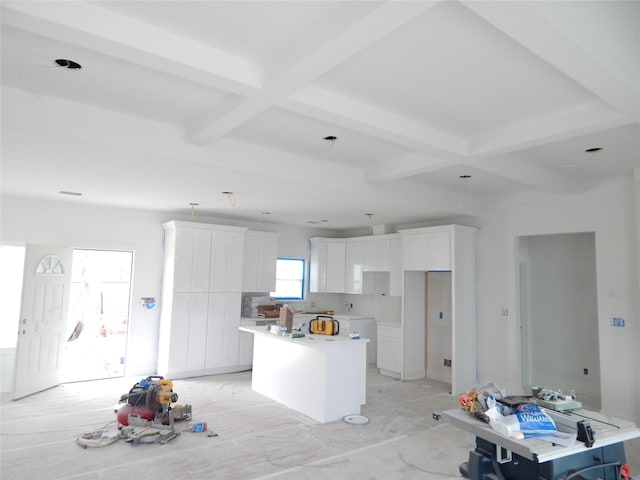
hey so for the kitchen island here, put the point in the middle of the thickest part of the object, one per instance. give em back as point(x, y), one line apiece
point(321, 376)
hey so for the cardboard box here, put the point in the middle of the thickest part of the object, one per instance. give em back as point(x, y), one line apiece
point(286, 318)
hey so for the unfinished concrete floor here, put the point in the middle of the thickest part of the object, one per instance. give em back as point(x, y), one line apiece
point(257, 438)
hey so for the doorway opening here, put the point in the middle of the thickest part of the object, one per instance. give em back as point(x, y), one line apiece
point(12, 261)
point(559, 314)
point(428, 315)
point(439, 328)
point(98, 320)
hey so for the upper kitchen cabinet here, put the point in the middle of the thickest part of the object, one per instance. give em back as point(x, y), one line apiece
point(427, 249)
point(191, 250)
point(353, 266)
point(327, 265)
point(338, 265)
point(377, 253)
point(395, 266)
point(227, 255)
point(260, 258)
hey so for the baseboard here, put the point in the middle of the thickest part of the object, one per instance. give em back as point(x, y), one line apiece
point(440, 376)
point(414, 375)
point(389, 373)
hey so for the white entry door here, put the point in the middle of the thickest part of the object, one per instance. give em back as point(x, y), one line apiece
point(43, 318)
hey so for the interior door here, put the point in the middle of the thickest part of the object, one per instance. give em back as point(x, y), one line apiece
point(43, 318)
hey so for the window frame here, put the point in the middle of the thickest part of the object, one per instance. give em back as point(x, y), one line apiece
point(302, 280)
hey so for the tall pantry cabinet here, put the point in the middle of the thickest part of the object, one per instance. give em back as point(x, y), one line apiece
point(201, 299)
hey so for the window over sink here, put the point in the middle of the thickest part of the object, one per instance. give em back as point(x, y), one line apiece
point(290, 274)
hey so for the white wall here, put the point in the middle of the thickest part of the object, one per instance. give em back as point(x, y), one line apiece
point(609, 211)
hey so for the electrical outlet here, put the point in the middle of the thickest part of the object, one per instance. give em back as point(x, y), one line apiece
point(585, 371)
point(617, 322)
point(447, 362)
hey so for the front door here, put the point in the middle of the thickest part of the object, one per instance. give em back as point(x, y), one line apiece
point(43, 318)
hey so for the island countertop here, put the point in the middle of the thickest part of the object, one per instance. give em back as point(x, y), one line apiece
point(312, 340)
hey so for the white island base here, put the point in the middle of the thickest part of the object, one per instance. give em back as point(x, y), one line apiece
point(321, 376)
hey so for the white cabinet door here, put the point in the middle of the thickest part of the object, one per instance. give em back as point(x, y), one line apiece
point(335, 267)
point(178, 338)
point(427, 251)
point(226, 261)
point(245, 356)
point(250, 263)
point(223, 336)
point(192, 252)
point(395, 266)
point(318, 265)
point(183, 260)
point(376, 255)
point(197, 331)
point(389, 356)
point(267, 261)
point(414, 252)
point(327, 265)
point(353, 267)
point(259, 262)
point(438, 251)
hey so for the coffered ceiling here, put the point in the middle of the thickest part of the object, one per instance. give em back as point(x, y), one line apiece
point(178, 101)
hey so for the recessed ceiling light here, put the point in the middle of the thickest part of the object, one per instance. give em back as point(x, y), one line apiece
point(465, 176)
point(66, 192)
point(194, 204)
point(593, 150)
point(330, 138)
point(70, 64)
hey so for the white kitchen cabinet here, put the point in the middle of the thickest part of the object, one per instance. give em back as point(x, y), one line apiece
point(327, 265)
point(426, 249)
point(192, 252)
point(336, 255)
point(260, 259)
point(318, 265)
point(227, 254)
point(223, 337)
point(201, 299)
point(395, 267)
point(339, 265)
point(376, 254)
point(198, 324)
point(245, 355)
point(438, 250)
point(353, 267)
point(389, 349)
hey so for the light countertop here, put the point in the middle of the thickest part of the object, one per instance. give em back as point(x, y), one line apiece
point(308, 339)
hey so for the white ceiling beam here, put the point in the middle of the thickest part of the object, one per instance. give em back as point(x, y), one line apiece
point(361, 117)
point(531, 174)
point(403, 167)
point(109, 33)
point(376, 25)
point(534, 132)
point(556, 39)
